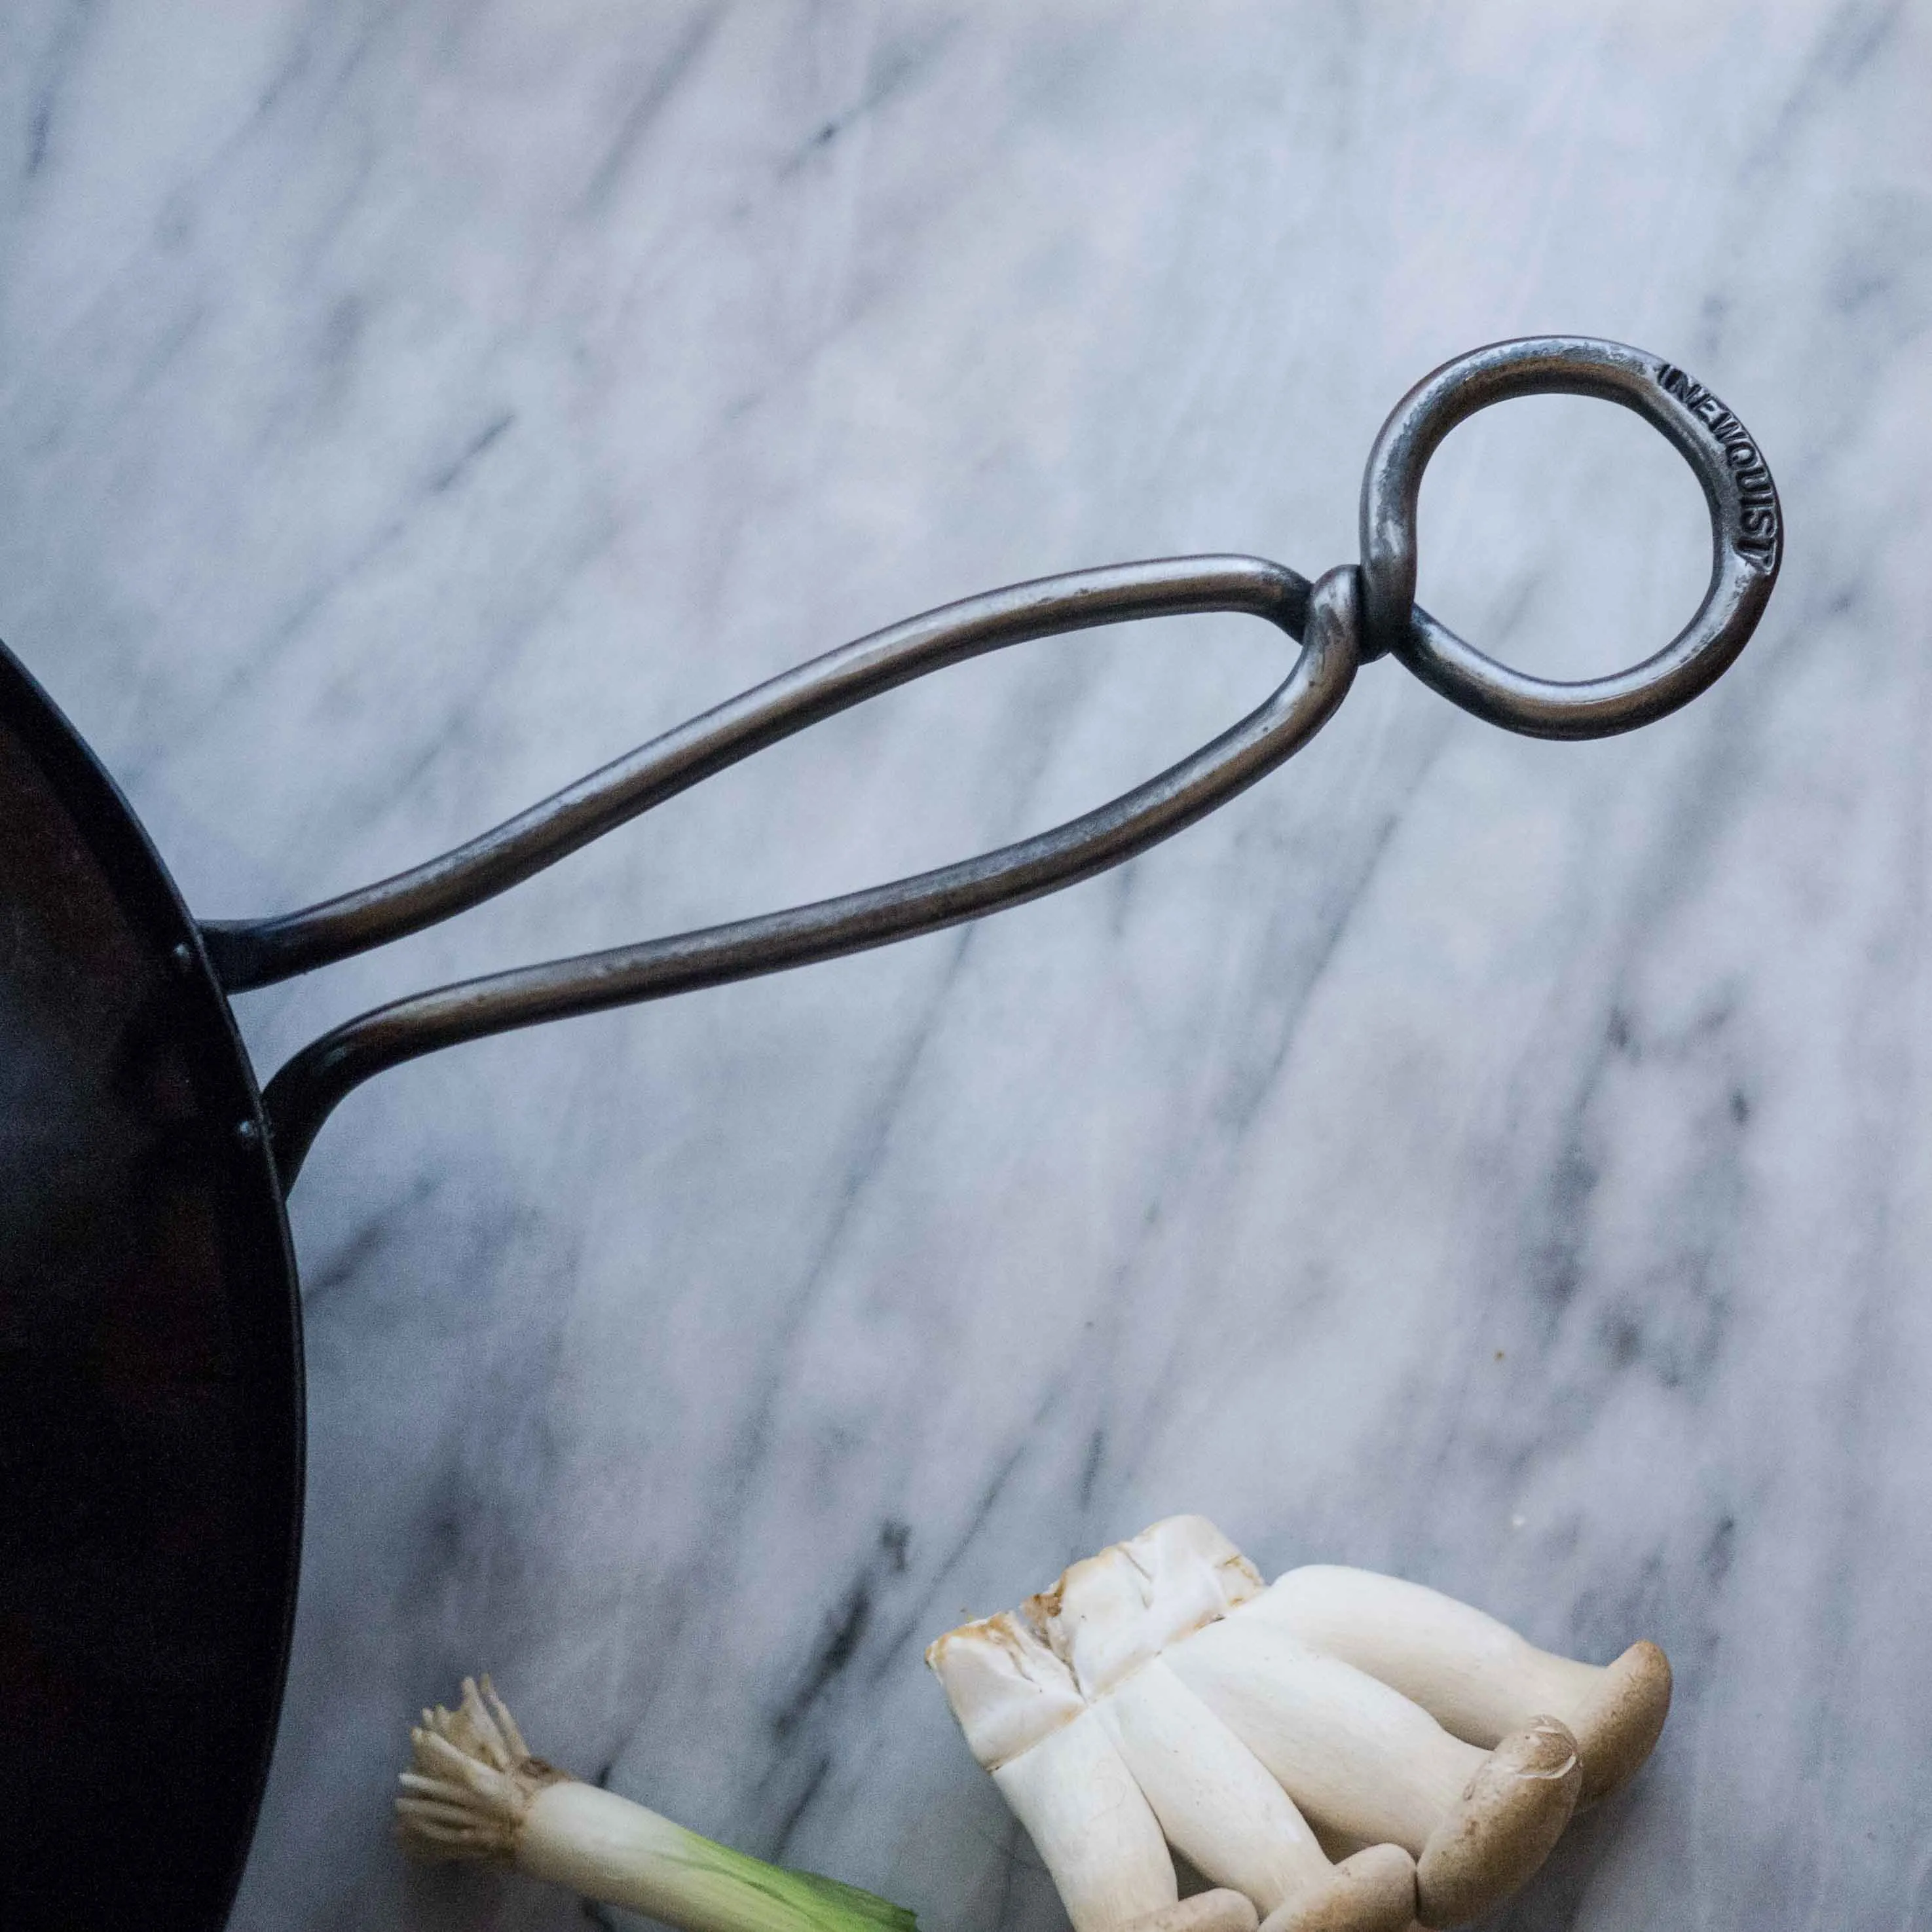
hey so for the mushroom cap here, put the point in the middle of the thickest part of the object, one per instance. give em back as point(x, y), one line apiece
point(1504, 1827)
point(1374, 1891)
point(1619, 1727)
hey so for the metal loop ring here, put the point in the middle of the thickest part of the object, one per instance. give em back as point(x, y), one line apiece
point(1746, 535)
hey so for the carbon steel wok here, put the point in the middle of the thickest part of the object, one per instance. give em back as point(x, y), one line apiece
point(150, 1380)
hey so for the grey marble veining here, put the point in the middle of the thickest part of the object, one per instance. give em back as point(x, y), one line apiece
point(1498, 1163)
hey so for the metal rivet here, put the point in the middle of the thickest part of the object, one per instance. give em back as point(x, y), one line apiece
point(248, 1133)
point(182, 956)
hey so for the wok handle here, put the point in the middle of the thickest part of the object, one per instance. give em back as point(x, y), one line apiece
point(256, 953)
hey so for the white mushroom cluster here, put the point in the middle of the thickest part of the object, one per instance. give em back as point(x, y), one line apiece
point(1160, 1695)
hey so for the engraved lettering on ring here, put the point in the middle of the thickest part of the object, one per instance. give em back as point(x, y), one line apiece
point(1758, 523)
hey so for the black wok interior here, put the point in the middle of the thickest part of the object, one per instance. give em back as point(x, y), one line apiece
point(150, 1382)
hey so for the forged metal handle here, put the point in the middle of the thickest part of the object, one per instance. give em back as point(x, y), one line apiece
point(1350, 616)
point(301, 1096)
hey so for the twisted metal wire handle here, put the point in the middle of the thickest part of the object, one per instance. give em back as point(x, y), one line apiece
point(1348, 617)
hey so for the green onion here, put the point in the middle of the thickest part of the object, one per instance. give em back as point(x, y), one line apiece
point(474, 1791)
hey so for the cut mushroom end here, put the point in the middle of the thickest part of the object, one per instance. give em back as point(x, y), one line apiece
point(1374, 1891)
point(1221, 1911)
point(1503, 1827)
point(1619, 1727)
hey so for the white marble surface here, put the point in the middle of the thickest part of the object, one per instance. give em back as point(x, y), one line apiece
point(1499, 1163)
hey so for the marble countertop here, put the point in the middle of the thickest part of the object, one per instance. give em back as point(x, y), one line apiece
point(1503, 1163)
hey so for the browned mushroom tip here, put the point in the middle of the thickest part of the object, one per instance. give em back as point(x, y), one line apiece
point(1205, 1911)
point(1373, 1891)
point(1619, 1727)
point(1502, 1828)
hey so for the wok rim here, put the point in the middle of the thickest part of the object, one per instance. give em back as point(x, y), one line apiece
point(141, 883)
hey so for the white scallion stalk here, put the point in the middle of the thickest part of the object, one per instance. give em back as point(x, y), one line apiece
point(474, 1791)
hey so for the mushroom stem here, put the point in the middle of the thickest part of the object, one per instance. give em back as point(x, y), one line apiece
point(1358, 1757)
point(1363, 1760)
point(1217, 1806)
point(1107, 1619)
point(1092, 1827)
point(1205, 1911)
point(1057, 1767)
point(1472, 1673)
